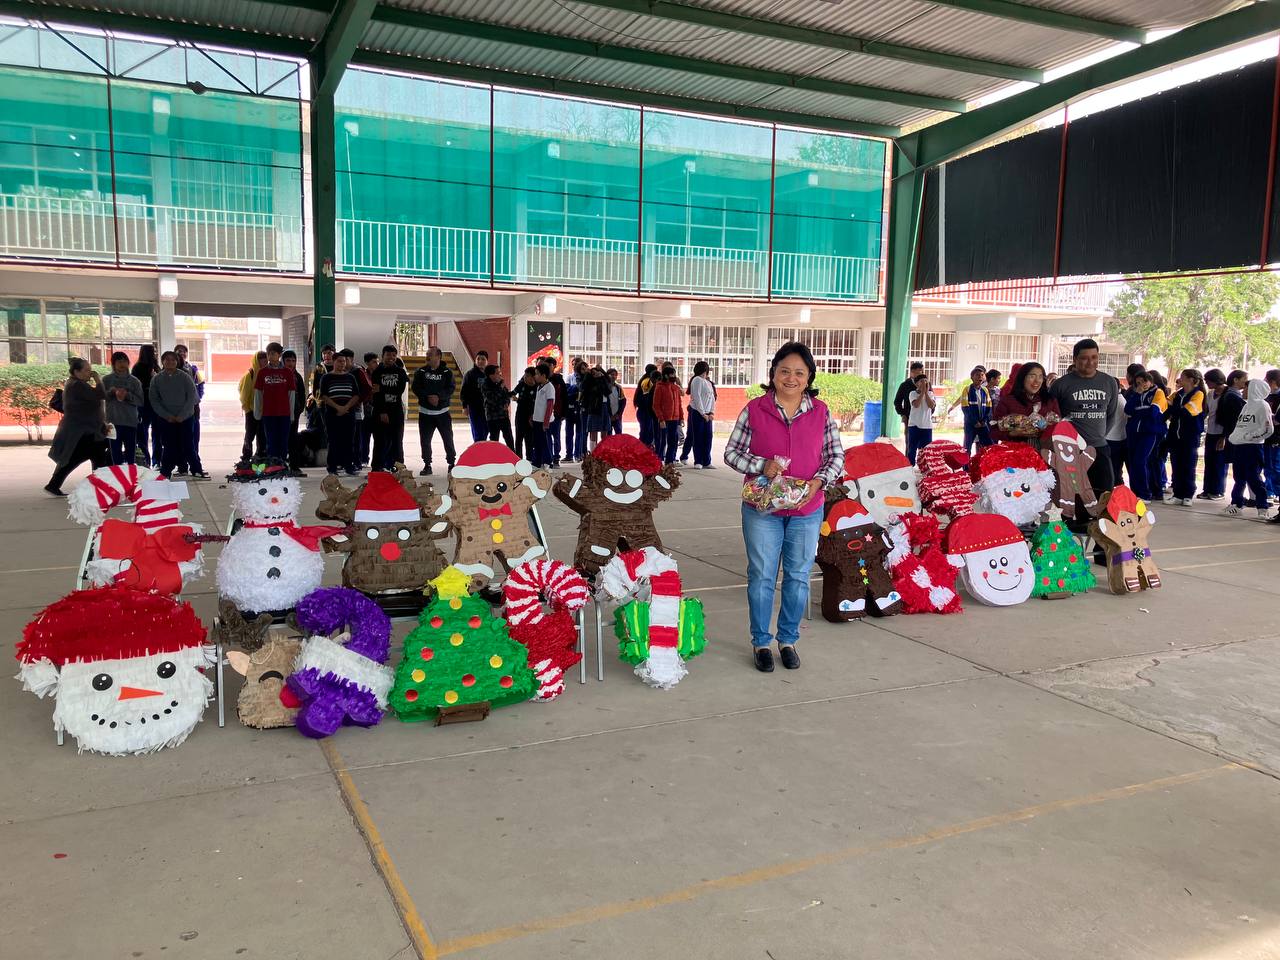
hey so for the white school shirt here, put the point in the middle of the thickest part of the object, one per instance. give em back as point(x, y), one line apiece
point(546, 395)
point(921, 416)
point(702, 397)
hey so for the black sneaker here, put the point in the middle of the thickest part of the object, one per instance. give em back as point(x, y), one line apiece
point(1204, 496)
point(764, 659)
point(53, 491)
point(425, 471)
point(201, 475)
point(351, 473)
point(180, 473)
point(790, 659)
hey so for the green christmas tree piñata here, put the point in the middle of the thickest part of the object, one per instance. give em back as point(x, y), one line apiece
point(459, 653)
point(1060, 565)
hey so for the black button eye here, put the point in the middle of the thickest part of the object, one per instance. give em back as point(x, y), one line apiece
point(502, 487)
point(262, 491)
point(904, 485)
point(1026, 488)
point(102, 681)
point(284, 490)
point(871, 494)
point(166, 670)
point(991, 564)
point(478, 488)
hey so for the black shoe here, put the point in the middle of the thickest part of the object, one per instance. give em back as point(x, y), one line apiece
point(764, 659)
point(200, 475)
point(353, 473)
point(790, 659)
point(1204, 496)
point(53, 491)
point(425, 471)
point(297, 473)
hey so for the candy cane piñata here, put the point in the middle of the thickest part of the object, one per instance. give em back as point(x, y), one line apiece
point(622, 578)
point(550, 635)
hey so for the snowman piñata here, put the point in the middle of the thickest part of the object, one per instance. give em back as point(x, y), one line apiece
point(123, 666)
point(994, 561)
point(881, 478)
point(271, 562)
point(1012, 481)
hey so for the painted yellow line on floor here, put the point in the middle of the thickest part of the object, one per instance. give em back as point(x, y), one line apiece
point(409, 916)
point(788, 868)
point(1231, 543)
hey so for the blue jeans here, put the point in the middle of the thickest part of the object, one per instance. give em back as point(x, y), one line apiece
point(1271, 468)
point(124, 446)
point(669, 441)
point(975, 431)
point(771, 539)
point(539, 445)
point(1144, 475)
point(1185, 452)
point(552, 433)
point(917, 439)
point(645, 419)
point(1215, 465)
point(1246, 471)
point(479, 425)
point(276, 430)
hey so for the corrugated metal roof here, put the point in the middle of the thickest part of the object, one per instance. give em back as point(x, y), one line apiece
point(915, 23)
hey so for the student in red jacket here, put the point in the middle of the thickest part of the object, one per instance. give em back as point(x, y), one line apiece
point(1026, 395)
point(668, 414)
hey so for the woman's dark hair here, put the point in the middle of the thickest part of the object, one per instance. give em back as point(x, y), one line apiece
point(147, 357)
point(1020, 383)
point(1192, 374)
point(1131, 372)
point(700, 368)
point(77, 363)
point(1214, 376)
point(118, 356)
point(794, 349)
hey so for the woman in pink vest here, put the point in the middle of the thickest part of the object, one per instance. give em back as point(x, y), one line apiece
point(787, 423)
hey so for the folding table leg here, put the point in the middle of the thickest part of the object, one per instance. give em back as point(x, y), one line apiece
point(599, 644)
point(582, 644)
point(217, 686)
point(58, 734)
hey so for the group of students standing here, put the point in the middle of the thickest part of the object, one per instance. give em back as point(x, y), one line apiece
point(148, 413)
point(660, 411)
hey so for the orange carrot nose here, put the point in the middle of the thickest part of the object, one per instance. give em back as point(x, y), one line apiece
point(136, 693)
point(899, 502)
point(1017, 494)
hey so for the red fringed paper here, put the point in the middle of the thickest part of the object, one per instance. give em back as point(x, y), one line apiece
point(109, 623)
point(627, 453)
point(921, 571)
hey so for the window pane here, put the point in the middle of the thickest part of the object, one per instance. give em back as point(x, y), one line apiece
point(553, 153)
point(706, 203)
point(413, 176)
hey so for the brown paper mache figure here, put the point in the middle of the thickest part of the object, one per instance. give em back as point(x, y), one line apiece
point(396, 521)
point(852, 552)
point(1122, 527)
point(622, 483)
point(265, 700)
point(1070, 458)
point(493, 490)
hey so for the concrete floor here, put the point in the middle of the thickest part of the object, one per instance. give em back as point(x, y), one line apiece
point(1093, 777)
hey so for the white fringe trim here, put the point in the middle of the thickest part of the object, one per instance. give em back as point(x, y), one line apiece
point(663, 670)
point(330, 656)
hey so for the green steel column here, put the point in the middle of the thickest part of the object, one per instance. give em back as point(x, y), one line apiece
point(323, 215)
point(905, 196)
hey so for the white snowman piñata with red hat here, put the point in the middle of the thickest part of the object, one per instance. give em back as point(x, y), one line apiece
point(492, 491)
point(1013, 481)
point(994, 560)
point(272, 561)
point(881, 478)
point(124, 667)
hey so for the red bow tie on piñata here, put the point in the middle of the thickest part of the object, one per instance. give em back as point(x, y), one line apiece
point(153, 558)
point(502, 511)
point(308, 537)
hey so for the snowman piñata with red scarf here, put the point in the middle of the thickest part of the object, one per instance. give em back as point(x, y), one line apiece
point(272, 561)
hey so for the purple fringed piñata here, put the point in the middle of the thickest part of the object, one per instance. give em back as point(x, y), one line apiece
point(341, 682)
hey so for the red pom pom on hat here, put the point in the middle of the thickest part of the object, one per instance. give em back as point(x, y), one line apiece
point(980, 531)
point(627, 453)
point(109, 623)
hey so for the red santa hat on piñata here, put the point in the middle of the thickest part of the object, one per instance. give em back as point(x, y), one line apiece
point(385, 500)
point(980, 531)
point(845, 515)
point(1064, 431)
point(488, 460)
point(1003, 457)
point(869, 459)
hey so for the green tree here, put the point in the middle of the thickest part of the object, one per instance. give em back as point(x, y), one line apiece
point(1060, 565)
point(1186, 321)
point(459, 653)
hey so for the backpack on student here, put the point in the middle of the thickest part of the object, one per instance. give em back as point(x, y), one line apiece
point(55, 402)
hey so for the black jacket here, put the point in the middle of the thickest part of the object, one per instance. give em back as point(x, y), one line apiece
point(902, 399)
point(438, 381)
point(1229, 406)
point(524, 394)
point(472, 393)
